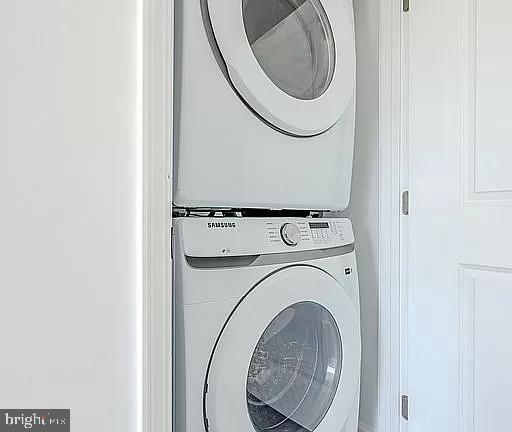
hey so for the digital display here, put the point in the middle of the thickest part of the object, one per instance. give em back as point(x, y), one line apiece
point(318, 225)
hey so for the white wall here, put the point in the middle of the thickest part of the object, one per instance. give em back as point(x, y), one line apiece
point(68, 257)
point(364, 208)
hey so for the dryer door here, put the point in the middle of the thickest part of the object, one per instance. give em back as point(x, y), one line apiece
point(287, 359)
point(292, 61)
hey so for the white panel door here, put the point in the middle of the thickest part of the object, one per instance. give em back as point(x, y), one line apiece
point(459, 228)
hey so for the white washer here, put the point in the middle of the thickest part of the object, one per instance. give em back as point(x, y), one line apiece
point(264, 104)
point(267, 331)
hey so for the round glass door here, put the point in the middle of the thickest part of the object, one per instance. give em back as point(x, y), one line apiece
point(295, 370)
point(293, 43)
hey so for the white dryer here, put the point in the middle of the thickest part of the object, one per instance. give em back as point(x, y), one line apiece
point(266, 332)
point(264, 104)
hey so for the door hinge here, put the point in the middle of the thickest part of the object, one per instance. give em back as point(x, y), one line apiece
point(406, 5)
point(405, 203)
point(405, 407)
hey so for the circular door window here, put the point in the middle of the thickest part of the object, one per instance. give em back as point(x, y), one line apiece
point(295, 370)
point(293, 43)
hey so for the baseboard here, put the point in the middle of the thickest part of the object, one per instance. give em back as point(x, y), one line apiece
point(365, 428)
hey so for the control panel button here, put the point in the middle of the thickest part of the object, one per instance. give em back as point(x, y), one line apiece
point(290, 233)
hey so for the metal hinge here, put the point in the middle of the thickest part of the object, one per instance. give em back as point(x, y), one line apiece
point(405, 203)
point(406, 5)
point(405, 407)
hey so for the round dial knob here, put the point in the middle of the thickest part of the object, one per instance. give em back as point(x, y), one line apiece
point(290, 234)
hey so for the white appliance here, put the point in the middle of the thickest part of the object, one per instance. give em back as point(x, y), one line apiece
point(264, 104)
point(267, 331)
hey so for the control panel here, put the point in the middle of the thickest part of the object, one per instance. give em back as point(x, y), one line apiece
point(211, 237)
point(317, 232)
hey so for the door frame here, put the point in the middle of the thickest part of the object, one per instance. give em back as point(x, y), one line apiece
point(393, 180)
point(154, 94)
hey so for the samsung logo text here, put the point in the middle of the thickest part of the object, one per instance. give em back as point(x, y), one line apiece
point(221, 225)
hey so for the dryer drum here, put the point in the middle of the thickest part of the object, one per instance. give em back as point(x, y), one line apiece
point(295, 369)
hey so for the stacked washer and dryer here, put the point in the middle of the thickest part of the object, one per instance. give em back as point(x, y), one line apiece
point(266, 332)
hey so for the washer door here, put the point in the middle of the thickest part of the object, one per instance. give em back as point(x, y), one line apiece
point(287, 359)
point(292, 61)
